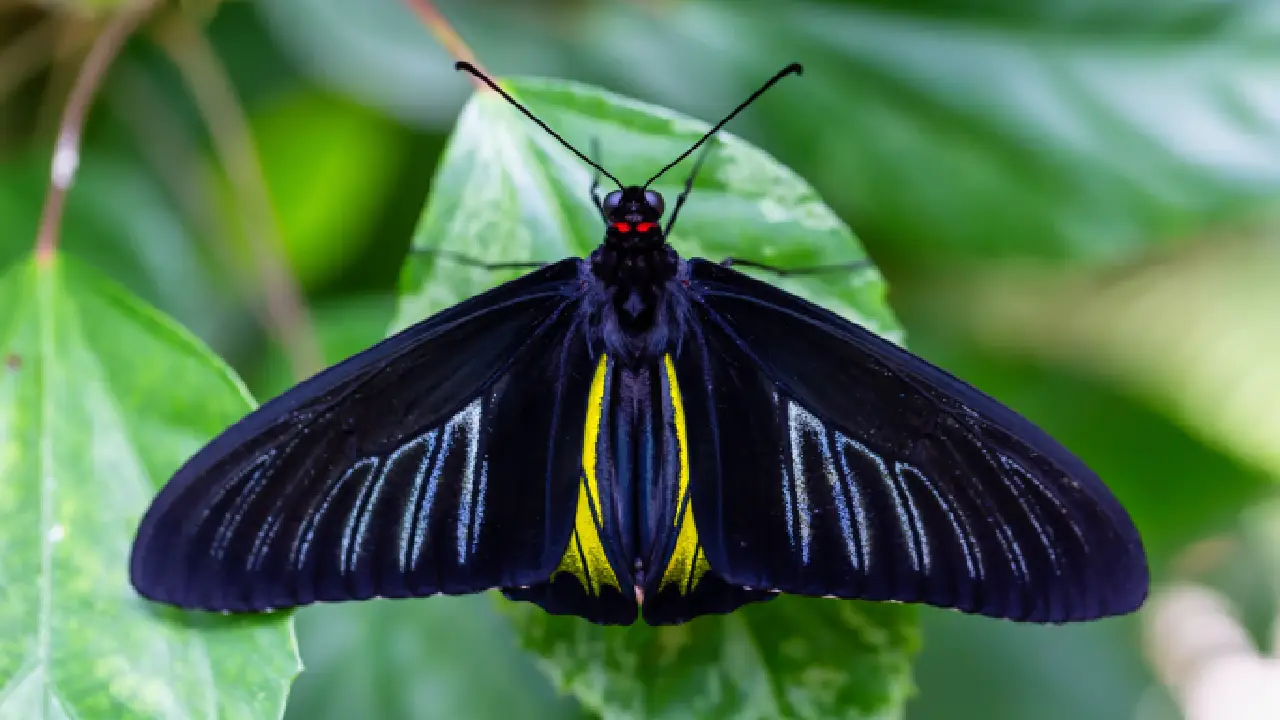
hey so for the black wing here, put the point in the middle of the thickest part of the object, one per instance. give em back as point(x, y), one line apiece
point(593, 579)
point(680, 583)
point(443, 460)
point(827, 461)
point(634, 505)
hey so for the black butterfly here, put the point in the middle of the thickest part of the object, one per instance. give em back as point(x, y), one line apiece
point(636, 432)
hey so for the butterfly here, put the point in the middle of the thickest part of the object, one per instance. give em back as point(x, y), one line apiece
point(636, 434)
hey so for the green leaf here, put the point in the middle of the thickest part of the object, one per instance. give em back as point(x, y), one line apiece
point(505, 191)
point(101, 399)
point(787, 658)
point(394, 660)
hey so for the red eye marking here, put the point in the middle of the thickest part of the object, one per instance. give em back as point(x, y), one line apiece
point(622, 227)
point(644, 227)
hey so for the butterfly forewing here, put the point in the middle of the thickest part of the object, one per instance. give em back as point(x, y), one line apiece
point(445, 459)
point(825, 461)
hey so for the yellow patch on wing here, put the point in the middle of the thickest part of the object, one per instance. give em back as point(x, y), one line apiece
point(688, 562)
point(585, 558)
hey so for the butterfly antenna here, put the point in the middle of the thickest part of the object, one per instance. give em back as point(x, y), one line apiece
point(464, 65)
point(792, 69)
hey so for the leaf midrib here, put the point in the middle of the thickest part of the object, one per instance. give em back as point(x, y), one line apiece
point(45, 281)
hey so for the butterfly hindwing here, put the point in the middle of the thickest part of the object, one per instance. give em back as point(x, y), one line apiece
point(634, 502)
point(444, 459)
point(680, 584)
point(591, 579)
point(826, 461)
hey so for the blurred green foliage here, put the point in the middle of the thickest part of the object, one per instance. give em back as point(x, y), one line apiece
point(1045, 184)
point(101, 399)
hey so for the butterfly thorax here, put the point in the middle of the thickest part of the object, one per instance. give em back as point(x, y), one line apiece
point(634, 272)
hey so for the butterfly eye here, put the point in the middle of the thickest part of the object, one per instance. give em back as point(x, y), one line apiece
point(653, 200)
point(612, 200)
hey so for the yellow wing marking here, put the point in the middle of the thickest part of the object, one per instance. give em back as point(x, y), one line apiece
point(585, 558)
point(688, 563)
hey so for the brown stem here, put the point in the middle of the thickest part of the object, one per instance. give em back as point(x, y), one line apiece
point(444, 33)
point(66, 150)
point(67, 53)
point(286, 314)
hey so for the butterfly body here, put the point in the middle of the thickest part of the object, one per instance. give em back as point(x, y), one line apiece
point(637, 434)
point(636, 282)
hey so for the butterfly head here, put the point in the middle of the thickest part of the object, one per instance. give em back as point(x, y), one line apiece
point(633, 213)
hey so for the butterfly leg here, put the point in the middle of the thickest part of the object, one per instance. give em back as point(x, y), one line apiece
point(688, 186)
point(792, 272)
point(595, 181)
point(469, 261)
